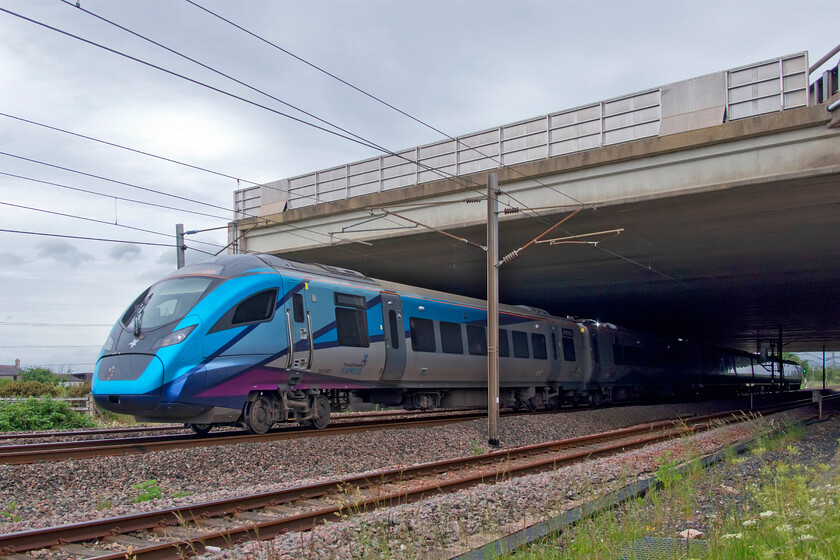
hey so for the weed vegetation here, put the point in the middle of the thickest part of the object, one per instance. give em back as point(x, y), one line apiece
point(40, 414)
point(788, 511)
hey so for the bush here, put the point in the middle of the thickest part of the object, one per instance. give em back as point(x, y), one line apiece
point(39, 374)
point(78, 390)
point(40, 414)
point(28, 389)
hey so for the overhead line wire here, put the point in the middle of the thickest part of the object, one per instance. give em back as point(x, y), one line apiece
point(94, 239)
point(151, 203)
point(105, 222)
point(368, 143)
point(370, 95)
point(115, 197)
point(101, 178)
point(114, 145)
point(178, 75)
point(420, 121)
point(363, 142)
point(361, 139)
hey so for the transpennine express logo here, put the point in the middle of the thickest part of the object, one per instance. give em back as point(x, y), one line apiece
point(355, 369)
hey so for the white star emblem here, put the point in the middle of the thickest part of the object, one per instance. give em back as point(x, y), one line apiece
point(134, 342)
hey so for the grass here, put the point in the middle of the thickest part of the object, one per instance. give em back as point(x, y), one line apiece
point(787, 511)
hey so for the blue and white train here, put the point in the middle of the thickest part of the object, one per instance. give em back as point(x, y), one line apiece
point(253, 340)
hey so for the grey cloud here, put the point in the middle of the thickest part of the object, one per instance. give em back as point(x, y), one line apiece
point(8, 258)
point(124, 252)
point(63, 252)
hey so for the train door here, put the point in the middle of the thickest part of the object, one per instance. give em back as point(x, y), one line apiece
point(394, 331)
point(299, 321)
point(596, 353)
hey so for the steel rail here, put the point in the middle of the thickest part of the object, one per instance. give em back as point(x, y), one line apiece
point(57, 451)
point(97, 529)
point(341, 416)
point(40, 538)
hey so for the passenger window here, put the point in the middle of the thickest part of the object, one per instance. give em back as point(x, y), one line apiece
point(259, 307)
point(422, 334)
point(569, 349)
point(520, 344)
point(504, 347)
point(395, 329)
point(538, 346)
point(451, 341)
point(477, 340)
point(554, 345)
point(297, 307)
point(351, 327)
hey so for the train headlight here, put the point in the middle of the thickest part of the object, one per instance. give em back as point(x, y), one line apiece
point(175, 337)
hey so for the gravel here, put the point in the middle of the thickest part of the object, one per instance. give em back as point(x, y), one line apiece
point(58, 493)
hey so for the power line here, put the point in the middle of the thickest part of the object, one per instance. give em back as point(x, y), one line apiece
point(266, 220)
point(433, 128)
point(183, 77)
point(96, 239)
point(363, 140)
point(360, 139)
point(220, 73)
point(102, 222)
point(125, 184)
point(135, 201)
point(51, 346)
point(357, 139)
point(23, 324)
point(136, 151)
point(375, 98)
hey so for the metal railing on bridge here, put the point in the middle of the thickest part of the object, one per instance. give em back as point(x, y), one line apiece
point(760, 88)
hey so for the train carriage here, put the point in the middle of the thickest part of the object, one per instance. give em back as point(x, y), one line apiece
point(257, 339)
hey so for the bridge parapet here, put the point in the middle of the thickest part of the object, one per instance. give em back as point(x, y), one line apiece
point(760, 88)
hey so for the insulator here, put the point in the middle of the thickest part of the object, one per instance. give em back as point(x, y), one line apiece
point(474, 244)
point(512, 210)
point(471, 199)
point(509, 257)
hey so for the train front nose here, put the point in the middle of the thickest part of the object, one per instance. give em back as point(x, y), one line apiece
point(128, 383)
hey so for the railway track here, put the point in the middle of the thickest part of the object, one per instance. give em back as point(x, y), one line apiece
point(25, 453)
point(176, 532)
point(83, 449)
point(338, 417)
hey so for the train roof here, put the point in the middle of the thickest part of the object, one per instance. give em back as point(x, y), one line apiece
point(231, 266)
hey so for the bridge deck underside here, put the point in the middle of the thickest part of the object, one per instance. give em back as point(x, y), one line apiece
point(729, 267)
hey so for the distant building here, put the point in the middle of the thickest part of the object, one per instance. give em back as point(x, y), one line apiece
point(12, 372)
point(73, 378)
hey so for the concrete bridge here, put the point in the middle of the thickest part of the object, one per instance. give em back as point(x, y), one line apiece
point(708, 209)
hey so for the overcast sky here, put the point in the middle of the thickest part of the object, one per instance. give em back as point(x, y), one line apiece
point(462, 66)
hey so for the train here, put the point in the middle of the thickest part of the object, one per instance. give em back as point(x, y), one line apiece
point(256, 339)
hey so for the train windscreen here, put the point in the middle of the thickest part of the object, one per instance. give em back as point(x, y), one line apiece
point(166, 302)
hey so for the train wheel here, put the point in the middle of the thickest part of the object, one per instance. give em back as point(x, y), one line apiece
point(320, 412)
point(258, 417)
point(532, 404)
point(200, 429)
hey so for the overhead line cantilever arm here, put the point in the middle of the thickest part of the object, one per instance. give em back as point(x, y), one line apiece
point(463, 240)
point(513, 254)
point(568, 239)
